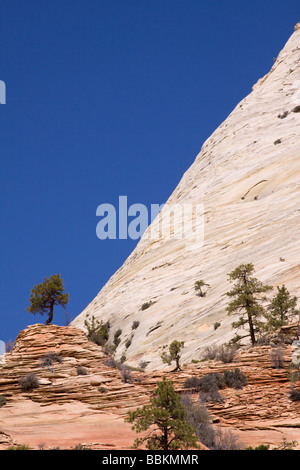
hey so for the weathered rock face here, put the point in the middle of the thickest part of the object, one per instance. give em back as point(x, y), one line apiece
point(247, 177)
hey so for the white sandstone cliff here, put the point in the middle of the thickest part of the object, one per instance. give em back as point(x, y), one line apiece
point(247, 176)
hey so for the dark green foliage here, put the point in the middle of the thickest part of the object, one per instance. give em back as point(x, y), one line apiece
point(45, 295)
point(259, 447)
point(281, 310)
point(165, 420)
point(97, 332)
point(246, 296)
point(174, 350)
point(29, 382)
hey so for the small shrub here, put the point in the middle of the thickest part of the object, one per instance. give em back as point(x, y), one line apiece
point(295, 394)
point(48, 359)
point(277, 358)
point(193, 382)
point(126, 374)
point(209, 387)
point(135, 324)
point(102, 389)
point(235, 378)
point(2, 400)
point(128, 343)
point(211, 352)
point(117, 338)
point(147, 305)
point(29, 382)
point(81, 370)
point(217, 325)
point(97, 332)
point(226, 353)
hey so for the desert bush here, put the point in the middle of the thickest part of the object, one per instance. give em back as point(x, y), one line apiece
point(209, 387)
point(210, 352)
point(215, 439)
point(226, 353)
point(135, 324)
point(126, 374)
point(29, 382)
point(2, 400)
point(277, 358)
point(117, 338)
point(81, 370)
point(48, 359)
point(147, 305)
point(225, 440)
point(97, 332)
point(294, 394)
point(193, 382)
point(235, 378)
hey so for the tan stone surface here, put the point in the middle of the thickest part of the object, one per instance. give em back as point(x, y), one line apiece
point(247, 175)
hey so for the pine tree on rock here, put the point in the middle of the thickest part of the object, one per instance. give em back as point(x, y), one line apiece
point(166, 420)
point(246, 295)
point(45, 295)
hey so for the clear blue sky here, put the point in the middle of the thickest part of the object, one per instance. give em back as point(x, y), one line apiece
point(108, 98)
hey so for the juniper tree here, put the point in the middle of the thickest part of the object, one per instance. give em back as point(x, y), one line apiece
point(45, 295)
point(246, 298)
point(281, 309)
point(166, 420)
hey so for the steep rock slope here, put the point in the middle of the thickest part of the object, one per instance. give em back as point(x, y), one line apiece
point(247, 177)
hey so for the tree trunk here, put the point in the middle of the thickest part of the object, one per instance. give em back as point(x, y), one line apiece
point(50, 314)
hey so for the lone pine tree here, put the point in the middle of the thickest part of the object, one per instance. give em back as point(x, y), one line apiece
point(166, 420)
point(245, 298)
point(45, 295)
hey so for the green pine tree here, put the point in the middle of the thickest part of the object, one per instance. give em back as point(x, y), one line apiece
point(166, 420)
point(174, 354)
point(281, 310)
point(45, 295)
point(246, 296)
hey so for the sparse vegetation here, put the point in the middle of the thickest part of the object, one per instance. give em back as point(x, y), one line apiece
point(135, 324)
point(29, 382)
point(46, 295)
point(198, 288)
point(174, 354)
point(2, 400)
point(48, 359)
point(147, 305)
point(81, 370)
point(277, 357)
point(225, 353)
point(214, 438)
point(117, 338)
point(97, 332)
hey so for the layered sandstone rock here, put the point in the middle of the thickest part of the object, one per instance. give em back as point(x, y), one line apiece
point(247, 177)
point(68, 409)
